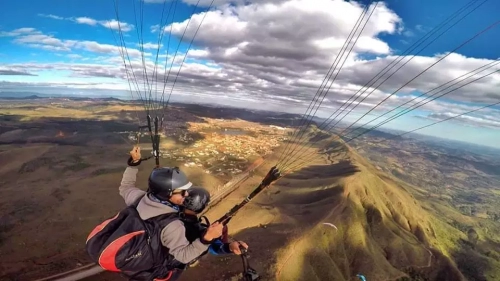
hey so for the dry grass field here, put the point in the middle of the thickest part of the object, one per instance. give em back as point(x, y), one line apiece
point(55, 187)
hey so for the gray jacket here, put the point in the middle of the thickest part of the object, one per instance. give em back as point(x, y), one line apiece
point(173, 235)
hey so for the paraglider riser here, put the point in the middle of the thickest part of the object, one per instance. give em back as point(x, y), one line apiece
point(271, 176)
point(155, 139)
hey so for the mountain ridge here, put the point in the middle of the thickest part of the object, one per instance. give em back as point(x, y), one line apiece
point(383, 231)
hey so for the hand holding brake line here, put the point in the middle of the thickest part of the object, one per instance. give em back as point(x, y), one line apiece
point(135, 156)
point(213, 231)
point(238, 247)
point(135, 153)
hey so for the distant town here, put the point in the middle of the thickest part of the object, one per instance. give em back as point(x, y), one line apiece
point(219, 146)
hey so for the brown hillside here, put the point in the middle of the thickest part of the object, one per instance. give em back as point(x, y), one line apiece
point(383, 232)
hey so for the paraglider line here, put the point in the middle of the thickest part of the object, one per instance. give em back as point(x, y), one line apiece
point(411, 48)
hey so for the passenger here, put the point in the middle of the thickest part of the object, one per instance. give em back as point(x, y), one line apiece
point(194, 204)
point(154, 212)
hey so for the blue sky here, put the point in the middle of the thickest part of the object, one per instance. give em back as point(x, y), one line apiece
point(39, 15)
point(422, 16)
point(68, 46)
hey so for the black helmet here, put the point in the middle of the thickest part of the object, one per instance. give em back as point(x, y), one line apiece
point(197, 199)
point(162, 181)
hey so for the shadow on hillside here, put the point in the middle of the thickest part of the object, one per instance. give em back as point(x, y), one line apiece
point(345, 256)
point(310, 207)
point(471, 261)
point(65, 131)
point(335, 147)
point(263, 117)
point(169, 114)
point(493, 246)
point(318, 137)
point(338, 260)
point(442, 269)
point(343, 168)
point(81, 132)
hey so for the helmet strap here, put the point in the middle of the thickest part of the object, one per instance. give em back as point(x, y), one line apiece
point(182, 215)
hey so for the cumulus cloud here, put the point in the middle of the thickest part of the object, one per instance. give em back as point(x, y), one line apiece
point(237, 30)
point(85, 20)
point(36, 39)
point(450, 68)
point(149, 46)
point(116, 25)
point(253, 59)
point(485, 121)
point(234, 38)
point(19, 31)
point(279, 52)
point(111, 24)
point(15, 72)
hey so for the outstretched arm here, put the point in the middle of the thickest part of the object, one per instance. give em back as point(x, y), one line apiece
point(173, 236)
point(128, 189)
point(220, 248)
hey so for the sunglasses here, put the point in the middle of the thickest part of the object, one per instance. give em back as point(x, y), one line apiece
point(183, 192)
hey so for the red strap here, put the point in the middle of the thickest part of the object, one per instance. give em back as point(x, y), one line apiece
point(166, 278)
point(100, 227)
point(107, 259)
point(225, 238)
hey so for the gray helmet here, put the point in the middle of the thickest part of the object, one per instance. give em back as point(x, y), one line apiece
point(197, 199)
point(163, 181)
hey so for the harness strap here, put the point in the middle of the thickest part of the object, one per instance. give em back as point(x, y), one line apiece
point(166, 278)
point(249, 274)
point(225, 235)
point(207, 222)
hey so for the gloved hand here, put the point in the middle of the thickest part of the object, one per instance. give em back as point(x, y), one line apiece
point(135, 156)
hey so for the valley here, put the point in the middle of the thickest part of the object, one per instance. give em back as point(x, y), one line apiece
point(402, 210)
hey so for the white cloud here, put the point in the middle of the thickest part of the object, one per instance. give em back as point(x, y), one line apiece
point(85, 20)
point(51, 16)
point(111, 24)
point(116, 25)
point(19, 31)
point(47, 42)
point(474, 121)
point(148, 45)
point(279, 52)
point(10, 71)
point(36, 39)
point(96, 47)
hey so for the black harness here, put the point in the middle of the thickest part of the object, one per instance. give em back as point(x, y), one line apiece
point(249, 273)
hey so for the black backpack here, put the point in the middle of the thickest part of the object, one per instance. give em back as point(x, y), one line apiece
point(126, 244)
